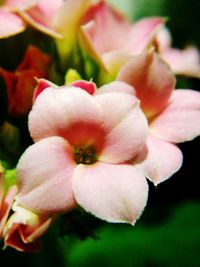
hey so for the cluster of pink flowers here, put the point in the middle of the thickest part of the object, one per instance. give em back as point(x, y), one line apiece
point(93, 147)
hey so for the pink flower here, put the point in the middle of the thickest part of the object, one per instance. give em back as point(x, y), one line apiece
point(173, 115)
point(57, 18)
point(82, 147)
point(183, 62)
point(111, 39)
point(23, 229)
point(38, 13)
point(21, 83)
point(6, 200)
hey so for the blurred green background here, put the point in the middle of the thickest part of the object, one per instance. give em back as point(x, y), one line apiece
point(168, 233)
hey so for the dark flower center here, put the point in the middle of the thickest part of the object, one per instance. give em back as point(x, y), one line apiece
point(85, 155)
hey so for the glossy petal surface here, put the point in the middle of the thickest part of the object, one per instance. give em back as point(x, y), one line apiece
point(159, 160)
point(180, 121)
point(115, 193)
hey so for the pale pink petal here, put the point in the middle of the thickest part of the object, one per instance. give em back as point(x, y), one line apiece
point(142, 34)
point(45, 10)
point(44, 174)
point(180, 121)
point(41, 86)
point(37, 24)
point(183, 62)
point(105, 30)
point(84, 35)
point(125, 125)
point(20, 4)
point(69, 112)
point(41, 16)
point(10, 24)
point(163, 39)
point(152, 79)
point(116, 86)
point(126, 139)
point(115, 106)
point(159, 160)
point(109, 30)
point(6, 206)
point(115, 193)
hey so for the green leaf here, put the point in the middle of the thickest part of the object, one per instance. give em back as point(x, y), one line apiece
point(10, 178)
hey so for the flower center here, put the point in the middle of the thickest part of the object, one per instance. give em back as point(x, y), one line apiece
point(85, 155)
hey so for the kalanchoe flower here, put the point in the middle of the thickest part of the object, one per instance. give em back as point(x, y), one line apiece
point(21, 83)
point(43, 14)
point(111, 39)
point(81, 154)
point(173, 115)
point(10, 22)
point(23, 229)
point(183, 62)
point(89, 87)
point(43, 84)
point(57, 18)
point(14, 15)
point(6, 200)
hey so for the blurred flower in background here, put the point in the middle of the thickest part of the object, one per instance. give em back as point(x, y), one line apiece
point(21, 83)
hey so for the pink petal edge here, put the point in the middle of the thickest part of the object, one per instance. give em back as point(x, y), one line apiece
point(159, 160)
point(180, 120)
point(115, 193)
point(47, 166)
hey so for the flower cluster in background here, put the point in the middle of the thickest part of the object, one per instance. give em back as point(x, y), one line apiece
point(89, 113)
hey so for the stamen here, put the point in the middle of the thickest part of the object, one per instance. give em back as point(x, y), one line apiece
point(85, 155)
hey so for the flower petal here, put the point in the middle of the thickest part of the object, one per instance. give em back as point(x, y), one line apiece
point(159, 160)
point(41, 15)
point(69, 112)
point(115, 193)
point(68, 26)
point(113, 62)
point(10, 24)
point(20, 4)
point(152, 80)
point(89, 87)
point(180, 121)
point(116, 86)
point(47, 29)
point(6, 206)
point(24, 228)
point(143, 33)
point(12, 239)
point(41, 86)
point(104, 29)
point(183, 62)
point(163, 39)
point(44, 174)
point(125, 124)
